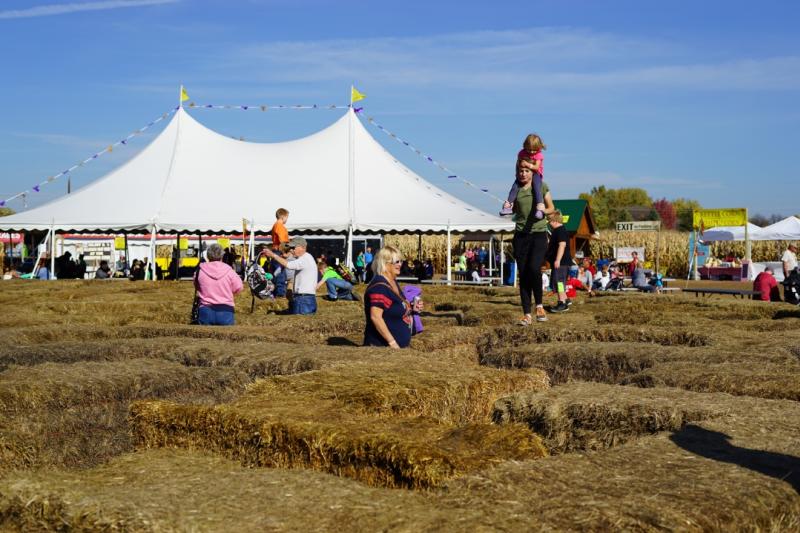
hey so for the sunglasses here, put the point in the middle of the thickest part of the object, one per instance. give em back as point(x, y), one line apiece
point(398, 262)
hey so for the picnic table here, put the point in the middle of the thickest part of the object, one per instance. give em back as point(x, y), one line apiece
point(736, 293)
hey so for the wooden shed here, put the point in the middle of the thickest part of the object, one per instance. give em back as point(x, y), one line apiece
point(579, 222)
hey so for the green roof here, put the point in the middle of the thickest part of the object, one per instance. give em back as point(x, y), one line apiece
point(574, 209)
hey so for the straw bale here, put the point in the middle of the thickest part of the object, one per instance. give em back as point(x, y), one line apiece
point(55, 386)
point(718, 469)
point(590, 416)
point(170, 490)
point(766, 380)
point(597, 361)
point(514, 337)
point(257, 359)
point(415, 453)
point(77, 414)
point(650, 484)
point(407, 422)
point(408, 385)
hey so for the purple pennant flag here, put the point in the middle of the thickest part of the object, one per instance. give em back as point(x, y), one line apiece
point(484, 189)
point(3, 203)
point(429, 159)
point(358, 109)
point(244, 107)
point(36, 188)
point(209, 106)
point(452, 177)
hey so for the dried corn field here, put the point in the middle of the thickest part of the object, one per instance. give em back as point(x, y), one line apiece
point(673, 248)
point(629, 412)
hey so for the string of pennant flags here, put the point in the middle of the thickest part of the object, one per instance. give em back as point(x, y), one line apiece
point(450, 174)
point(109, 148)
point(355, 96)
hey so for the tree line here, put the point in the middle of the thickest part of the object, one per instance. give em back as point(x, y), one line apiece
point(610, 206)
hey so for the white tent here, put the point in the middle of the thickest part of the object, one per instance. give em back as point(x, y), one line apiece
point(192, 179)
point(731, 233)
point(787, 229)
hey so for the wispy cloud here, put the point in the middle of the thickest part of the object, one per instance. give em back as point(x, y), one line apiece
point(62, 9)
point(538, 58)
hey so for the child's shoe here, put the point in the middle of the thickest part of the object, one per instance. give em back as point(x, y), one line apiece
point(539, 215)
point(541, 316)
point(506, 212)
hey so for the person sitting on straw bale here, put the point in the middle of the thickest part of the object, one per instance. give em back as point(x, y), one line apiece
point(338, 287)
point(602, 278)
point(767, 285)
point(304, 269)
point(389, 320)
point(639, 281)
point(216, 285)
point(104, 271)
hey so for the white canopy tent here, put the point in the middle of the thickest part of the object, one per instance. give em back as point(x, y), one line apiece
point(731, 233)
point(787, 229)
point(192, 179)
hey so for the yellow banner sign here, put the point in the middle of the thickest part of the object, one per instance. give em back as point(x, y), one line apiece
point(704, 219)
point(224, 242)
point(119, 243)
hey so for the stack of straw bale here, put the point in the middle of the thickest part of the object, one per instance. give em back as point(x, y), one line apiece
point(405, 423)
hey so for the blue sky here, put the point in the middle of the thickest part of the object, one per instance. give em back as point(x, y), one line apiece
point(684, 99)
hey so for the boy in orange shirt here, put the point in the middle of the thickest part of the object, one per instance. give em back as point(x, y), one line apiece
point(279, 236)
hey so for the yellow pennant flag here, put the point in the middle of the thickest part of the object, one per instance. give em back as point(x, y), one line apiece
point(184, 94)
point(355, 96)
point(244, 225)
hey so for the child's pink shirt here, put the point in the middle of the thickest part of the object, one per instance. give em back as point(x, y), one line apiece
point(535, 156)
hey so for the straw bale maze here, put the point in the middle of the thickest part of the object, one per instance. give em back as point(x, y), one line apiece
point(630, 412)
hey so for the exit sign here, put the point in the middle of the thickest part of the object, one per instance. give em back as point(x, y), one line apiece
point(645, 225)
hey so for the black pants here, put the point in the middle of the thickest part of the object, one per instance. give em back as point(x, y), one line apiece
point(529, 252)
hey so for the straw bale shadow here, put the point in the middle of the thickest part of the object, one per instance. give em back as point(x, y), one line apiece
point(716, 445)
point(341, 341)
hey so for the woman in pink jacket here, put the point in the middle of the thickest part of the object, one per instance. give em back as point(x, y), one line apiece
point(216, 285)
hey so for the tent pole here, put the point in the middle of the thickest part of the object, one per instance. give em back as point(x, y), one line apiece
point(747, 247)
point(419, 247)
point(126, 266)
point(449, 257)
point(502, 258)
point(177, 258)
point(251, 248)
point(491, 253)
point(153, 230)
point(349, 248)
point(52, 252)
point(39, 255)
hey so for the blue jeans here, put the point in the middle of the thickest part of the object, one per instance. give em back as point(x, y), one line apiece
point(304, 304)
point(339, 288)
point(215, 315)
point(279, 277)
